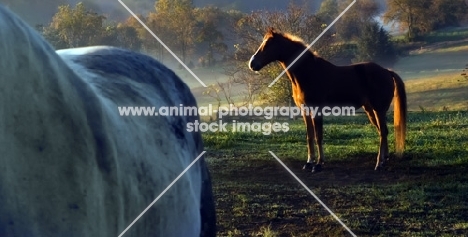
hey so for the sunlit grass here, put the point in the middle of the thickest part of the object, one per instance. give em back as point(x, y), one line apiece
point(443, 92)
point(451, 49)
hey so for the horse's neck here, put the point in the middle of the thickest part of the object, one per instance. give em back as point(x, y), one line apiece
point(321, 64)
point(296, 66)
point(308, 64)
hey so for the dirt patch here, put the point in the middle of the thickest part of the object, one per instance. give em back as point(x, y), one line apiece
point(265, 194)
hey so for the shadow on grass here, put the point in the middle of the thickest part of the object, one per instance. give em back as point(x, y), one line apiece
point(260, 192)
point(356, 169)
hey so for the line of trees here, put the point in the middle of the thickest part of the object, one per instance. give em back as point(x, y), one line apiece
point(207, 32)
point(181, 26)
point(188, 29)
point(79, 26)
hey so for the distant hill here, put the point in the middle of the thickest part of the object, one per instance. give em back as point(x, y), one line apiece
point(41, 11)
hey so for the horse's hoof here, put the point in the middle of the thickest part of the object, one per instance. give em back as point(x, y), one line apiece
point(317, 168)
point(308, 166)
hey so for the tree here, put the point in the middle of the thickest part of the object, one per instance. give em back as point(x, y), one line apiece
point(80, 27)
point(219, 90)
point(409, 14)
point(418, 17)
point(208, 29)
point(178, 26)
point(76, 27)
point(133, 34)
point(374, 45)
point(328, 10)
point(121, 36)
point(163, 31)
point(351, 23)
point(52, 36)
point(448, 12)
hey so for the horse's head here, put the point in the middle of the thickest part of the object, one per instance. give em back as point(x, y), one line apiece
point(269, 51)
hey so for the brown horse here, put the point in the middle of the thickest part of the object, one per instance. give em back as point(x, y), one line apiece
point(319, 83)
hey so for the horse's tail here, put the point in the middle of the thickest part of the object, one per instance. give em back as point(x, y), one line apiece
point(400, 111)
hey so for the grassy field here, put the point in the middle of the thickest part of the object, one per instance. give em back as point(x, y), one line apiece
point(432, 64)
point(422, 194)
point(438, 93)
point(448, 34)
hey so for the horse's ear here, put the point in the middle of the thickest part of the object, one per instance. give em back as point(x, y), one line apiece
point(271, 30)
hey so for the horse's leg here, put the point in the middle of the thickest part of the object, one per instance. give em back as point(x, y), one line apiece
point(383, 132)
point(371, 115)
point(310, 141)
point(372, 118)
point(318, 127)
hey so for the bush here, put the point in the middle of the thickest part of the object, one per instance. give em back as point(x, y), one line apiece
point(374, 45)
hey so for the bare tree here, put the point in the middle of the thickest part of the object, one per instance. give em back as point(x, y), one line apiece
point(296, 20)
point(219, 90)
point(248, 85)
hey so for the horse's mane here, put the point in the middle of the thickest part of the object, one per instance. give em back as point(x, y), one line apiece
point(294, 38)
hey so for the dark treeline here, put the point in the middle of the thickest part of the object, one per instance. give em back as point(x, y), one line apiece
point(419, 17)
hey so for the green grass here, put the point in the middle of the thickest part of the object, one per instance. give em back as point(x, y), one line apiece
point(449, 34)
point(441, 35)
point(422, 194)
